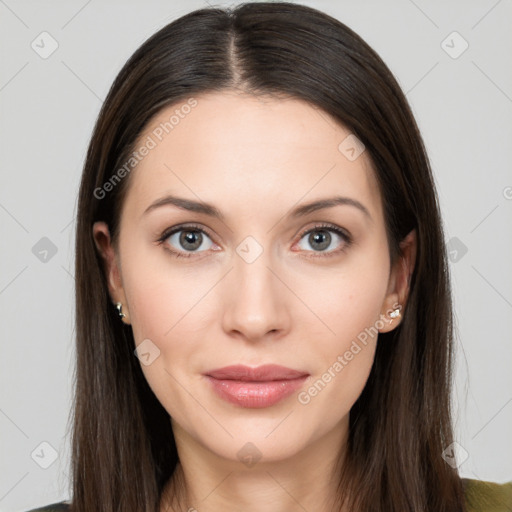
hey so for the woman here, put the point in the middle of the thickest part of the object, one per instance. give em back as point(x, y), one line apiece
point(262, 294)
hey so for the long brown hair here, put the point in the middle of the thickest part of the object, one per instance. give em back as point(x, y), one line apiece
point(123, 448)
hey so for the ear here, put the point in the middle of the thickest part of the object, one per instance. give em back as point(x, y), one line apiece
point(103, 242)
point(399, 282)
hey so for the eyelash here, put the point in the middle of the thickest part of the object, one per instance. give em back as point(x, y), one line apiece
point(319, 227)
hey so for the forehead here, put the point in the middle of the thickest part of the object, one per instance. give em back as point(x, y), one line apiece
point(254, 151)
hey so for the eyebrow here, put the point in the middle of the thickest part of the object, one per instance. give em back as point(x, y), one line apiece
point(210, 210)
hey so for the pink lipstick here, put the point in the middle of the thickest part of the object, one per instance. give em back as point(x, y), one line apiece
point(258, 387)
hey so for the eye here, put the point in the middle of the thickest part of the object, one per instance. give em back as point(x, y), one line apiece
point(185, 239)
point(320, 238)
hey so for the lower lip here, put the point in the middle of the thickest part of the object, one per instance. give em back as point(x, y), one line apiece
point(255, 394)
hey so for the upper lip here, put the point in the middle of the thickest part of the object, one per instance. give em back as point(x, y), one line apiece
point(267, 372)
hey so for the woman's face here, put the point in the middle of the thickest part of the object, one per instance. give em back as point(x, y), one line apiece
point(252, 289)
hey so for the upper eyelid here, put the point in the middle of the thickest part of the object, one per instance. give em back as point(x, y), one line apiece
point(166, 233)
point(327, 227)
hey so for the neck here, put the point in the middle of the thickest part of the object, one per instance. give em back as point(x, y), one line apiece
point(203, 481)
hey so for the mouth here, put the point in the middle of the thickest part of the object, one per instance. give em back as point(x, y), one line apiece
point(258, 387)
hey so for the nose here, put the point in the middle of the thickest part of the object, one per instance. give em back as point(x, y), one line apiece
point(256, 304)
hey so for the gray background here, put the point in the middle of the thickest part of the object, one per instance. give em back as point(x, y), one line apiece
point(463, 104)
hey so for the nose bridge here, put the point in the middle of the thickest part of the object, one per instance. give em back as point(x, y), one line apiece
point(256, 304)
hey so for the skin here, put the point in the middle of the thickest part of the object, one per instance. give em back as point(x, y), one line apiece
point(255, 159)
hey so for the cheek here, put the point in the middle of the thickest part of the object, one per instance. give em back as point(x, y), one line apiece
point(350, 305)
point(344, 358)
point(159, 291)
point(348, 300)
point(162, 311)
point(168, 305)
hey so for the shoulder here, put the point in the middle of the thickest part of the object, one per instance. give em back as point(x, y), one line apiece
point(484, 496)
point(54, 507)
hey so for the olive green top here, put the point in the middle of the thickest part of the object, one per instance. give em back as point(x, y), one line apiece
point(480, 496)
point(484, 496)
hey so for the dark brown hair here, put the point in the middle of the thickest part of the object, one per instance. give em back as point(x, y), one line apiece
point(123, 449)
